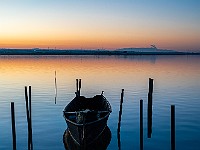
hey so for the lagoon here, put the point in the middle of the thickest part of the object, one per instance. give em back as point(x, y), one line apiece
point(176, 82)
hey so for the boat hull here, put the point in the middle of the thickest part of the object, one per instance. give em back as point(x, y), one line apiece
point(88, 133)
point(86, 130)
point(101, 143)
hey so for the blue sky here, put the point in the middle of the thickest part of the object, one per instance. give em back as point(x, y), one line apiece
point(170, 24)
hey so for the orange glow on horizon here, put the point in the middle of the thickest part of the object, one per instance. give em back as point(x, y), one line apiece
point(101, 43)
point(98, 38)
point(41, 69)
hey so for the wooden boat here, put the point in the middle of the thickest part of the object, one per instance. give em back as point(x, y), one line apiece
point(87, 118)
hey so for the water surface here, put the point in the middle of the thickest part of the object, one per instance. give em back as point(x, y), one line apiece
point(176, 81)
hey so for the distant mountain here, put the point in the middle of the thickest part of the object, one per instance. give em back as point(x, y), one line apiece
point(152, 49)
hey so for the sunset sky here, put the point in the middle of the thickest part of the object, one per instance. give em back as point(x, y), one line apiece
point(92, 24)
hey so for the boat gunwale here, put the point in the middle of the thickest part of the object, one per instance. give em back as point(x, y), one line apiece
point(88, 123)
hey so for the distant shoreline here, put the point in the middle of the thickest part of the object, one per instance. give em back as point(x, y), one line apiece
point(88, 52)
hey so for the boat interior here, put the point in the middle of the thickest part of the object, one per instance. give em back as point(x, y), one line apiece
point(84, 110)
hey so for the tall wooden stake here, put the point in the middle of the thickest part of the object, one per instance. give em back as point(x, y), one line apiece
point(30, 119)
point(55, 88)
point(150, 85)
point(119, 122)
point(29, 116)
point(149, 115)
point(26, 100)
point(141, 124)
point(150, 103)
point(79, 90)
point(77, 87)
point(13, 125)
point(172, 127)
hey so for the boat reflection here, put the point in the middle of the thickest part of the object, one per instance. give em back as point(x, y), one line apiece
point(101, 143)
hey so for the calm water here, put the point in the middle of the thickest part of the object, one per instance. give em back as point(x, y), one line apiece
point(176, 81)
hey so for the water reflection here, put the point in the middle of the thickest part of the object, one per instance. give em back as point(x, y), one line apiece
point(55, 89)
point(139, 58)
point(99, 144)
point(177, 82)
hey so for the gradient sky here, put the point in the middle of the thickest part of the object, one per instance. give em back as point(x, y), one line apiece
point(109, 24)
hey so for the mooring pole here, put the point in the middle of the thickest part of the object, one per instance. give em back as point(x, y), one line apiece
point(30, 119)
point(30, 113)
point(79, 87)
point(26, 100)
point(55, 77)
point(172, 127)
point(13, 125)
point(150, 103)
point(149, 115)
point(55, 88)
point(119, 122)
point(150, 85)
point(29, 116)
point(120, 111)
point(141, 125)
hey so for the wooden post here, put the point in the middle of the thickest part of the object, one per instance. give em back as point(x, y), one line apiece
point(149, 130)
point(55, 76)
point(29, 116)
point(150, 103)
point(79, 84)
point(120, 111)
point(55, 100)
point(26, 100)
point(13, 125)
point(150, 85)
point(30, 119)
point(55, 88)
point(79, 87)
point(119, 122)
point(141, 124)
point(172, 127)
